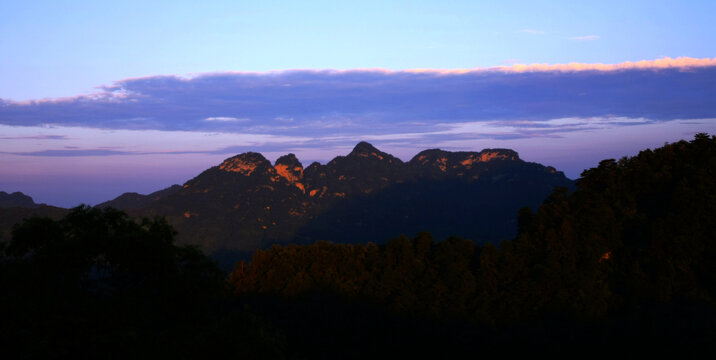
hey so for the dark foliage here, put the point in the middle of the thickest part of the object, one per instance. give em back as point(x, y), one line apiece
point(96, 284)
point(626, 259)
point(12, 216)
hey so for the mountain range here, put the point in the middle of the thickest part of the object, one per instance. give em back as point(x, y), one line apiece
point(246, 203)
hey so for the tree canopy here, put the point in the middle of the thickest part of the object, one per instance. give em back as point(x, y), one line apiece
point(99, 284)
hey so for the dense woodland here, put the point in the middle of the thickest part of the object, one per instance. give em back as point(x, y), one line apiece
point(626, 259)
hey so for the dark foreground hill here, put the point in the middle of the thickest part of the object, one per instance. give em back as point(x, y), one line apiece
point(246, 203)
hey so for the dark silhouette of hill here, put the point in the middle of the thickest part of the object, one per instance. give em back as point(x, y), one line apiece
point(132, 200)
point(16, 199)
point(246, 203)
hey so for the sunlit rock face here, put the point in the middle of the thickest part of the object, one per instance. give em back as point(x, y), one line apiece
point(290, 169)
point(246, 203)
point(245, 164)
point(439, 163)
point(488, 155)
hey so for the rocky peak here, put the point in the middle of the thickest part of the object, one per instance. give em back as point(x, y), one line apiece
point(246, 163)
point(289, 168)
point(363, 147)
point(315, 166)
point(461, 160)
point(289, 160)
point(435, 157)
point(366, 150)
point(463, 157)
point(468, 159)
point(498, 154)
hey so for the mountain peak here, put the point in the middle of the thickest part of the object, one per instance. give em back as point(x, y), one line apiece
point(463, 157)
point(459, 161)
point(288, 160)
point(500, 154)
point(245, 163)
point(289, 168)
point(366, 150)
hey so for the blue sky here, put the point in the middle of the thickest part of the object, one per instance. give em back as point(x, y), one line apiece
point(100, 98)
point(63, 48)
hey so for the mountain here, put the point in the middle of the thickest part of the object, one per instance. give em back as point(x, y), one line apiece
point(246, 203)
point(16, 199)
point(132, 200)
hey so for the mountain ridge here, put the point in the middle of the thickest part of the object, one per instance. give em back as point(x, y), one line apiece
point(246, 203)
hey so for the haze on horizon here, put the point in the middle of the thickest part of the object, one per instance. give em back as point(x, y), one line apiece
point(99, 99)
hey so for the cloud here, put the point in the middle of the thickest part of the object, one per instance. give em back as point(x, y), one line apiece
point(35, 137)
point(584, 38)
point(321, 103)
point(225, 119)
point(534, 129)
point(71, 153)
point(531, 31)
point(95, 142)
point(99, 142)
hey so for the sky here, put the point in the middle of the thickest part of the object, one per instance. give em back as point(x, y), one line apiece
point(97, 99)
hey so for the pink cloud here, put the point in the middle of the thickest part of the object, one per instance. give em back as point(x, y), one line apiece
point(658, 64)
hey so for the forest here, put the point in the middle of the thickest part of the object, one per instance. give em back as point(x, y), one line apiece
point(627, 260)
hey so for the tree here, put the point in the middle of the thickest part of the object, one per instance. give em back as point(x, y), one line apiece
point(97, 278)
